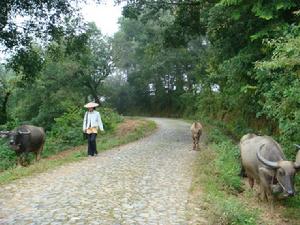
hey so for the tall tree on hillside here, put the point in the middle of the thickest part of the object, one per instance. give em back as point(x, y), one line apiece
point(95, 61)
point(238, 34)
point(73, 68)
point(158, 69)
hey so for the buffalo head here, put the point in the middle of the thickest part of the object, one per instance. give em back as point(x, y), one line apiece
point(283, 171)
point(16, 137)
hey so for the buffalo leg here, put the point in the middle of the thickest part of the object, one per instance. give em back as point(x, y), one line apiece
point(265, 176)
point(22, 159)
point(19, 162)
point(243, 172)
point(194, 143)
point(38, 157)
point(251, 182)
point(198, 138)
point(38, 154)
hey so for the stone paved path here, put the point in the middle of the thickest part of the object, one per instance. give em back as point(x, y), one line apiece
point(145, 182)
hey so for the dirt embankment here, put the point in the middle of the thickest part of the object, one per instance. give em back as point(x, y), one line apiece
point(128, 126)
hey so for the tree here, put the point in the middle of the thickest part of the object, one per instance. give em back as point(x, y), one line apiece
point(40, 18)
point(72, 68)
point(6, 87)
point(118, 93)
point(237, 57)
point(278, 79)
point(95, 61)
point(157, 70)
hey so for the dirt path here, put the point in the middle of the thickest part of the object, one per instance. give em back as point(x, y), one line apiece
point(145, 182)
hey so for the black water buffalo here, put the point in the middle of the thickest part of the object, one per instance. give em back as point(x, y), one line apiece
point(25, 139)
point(264, 162)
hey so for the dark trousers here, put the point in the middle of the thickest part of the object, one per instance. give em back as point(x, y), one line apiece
point(92, 148)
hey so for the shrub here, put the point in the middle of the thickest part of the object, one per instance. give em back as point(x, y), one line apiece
point(227, 162)
point(110, 118)
point(7, 156)
point(66, 132)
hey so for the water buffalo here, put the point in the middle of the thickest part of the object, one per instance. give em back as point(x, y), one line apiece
point(25, 139)
point(196, 130)
point(264, 162)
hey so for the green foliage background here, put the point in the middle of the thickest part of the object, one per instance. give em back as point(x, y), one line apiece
point(235, 63)
point(232, 61)
point(66, 132)
point(47, 86)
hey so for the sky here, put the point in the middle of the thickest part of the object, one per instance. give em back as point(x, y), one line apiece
point(105, 15)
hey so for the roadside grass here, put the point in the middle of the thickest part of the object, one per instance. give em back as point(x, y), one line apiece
point(106, 141)
point(292, 205)
point(229, 200)
point(215, 173)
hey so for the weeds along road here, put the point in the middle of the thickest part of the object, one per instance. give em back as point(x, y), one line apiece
point(145, 182)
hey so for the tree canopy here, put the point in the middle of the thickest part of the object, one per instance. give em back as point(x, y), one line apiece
point(237, 61)
point(22, 22)
point(234, 61)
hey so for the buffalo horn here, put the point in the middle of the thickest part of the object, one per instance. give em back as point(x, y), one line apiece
point(297, 163)
point(297, 146)
point(24, 132)
point(266, 162)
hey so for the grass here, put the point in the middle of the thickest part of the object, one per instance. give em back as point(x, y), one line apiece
point(216, 176)
point(293, 205)
point(223, 206)
point(140, 129)
point(229, 200)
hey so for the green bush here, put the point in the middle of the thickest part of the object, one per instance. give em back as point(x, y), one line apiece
point(217, 174)
point(227, 166)
point(110, 118)
point(66, 132)
point(228, 160)
point(7, 156)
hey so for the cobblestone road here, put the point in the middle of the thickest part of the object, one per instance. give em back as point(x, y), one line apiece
point(145, 182)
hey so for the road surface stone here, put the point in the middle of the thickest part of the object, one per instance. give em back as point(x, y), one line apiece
point(145, 182)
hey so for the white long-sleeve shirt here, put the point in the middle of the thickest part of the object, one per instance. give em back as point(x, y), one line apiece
point(92, 119)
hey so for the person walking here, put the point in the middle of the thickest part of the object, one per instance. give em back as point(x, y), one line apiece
point(91, 123)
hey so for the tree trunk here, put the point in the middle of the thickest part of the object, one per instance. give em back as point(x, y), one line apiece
point(95, 96)
point(3, 113)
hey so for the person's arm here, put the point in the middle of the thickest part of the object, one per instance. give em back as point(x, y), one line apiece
point(100, 124)
point(84, 122)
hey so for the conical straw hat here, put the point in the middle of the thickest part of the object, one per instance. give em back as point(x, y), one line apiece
point(91, 105)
